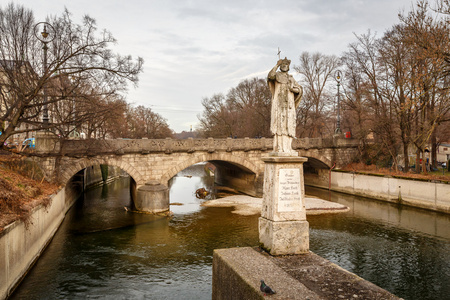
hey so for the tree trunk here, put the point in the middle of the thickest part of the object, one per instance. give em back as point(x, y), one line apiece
point(417, 161)
point(424, 168)
point(406, 157)
point(433, 149)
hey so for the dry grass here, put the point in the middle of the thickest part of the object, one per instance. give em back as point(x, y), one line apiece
point(21, 189)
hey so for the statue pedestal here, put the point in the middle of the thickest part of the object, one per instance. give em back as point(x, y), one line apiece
point(283, 228)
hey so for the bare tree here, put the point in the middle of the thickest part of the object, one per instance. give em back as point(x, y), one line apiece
point(356, 105)
point(374, 77)
point(217, 119)
point(143, 122)
point(252, 99)
point(427, 35)
point(405, 85)
point(317, 71)
point(244, 112)
point(79, 55)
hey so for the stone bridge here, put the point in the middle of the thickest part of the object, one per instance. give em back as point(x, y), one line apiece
point(151, 163)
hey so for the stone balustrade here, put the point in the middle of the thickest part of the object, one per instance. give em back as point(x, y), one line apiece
point(91, 147)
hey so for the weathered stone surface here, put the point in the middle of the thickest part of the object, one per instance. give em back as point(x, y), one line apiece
point(153, 197)
point(237, 273)
point(283, 199)
point(283, 228)
point(46, 142)
point(286, 237)
point(286, 96)
point(327, 279)
point(245, 153)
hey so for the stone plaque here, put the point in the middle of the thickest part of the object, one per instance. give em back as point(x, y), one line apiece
point(289, 192)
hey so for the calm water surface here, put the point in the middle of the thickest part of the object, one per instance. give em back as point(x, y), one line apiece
point(103, 252)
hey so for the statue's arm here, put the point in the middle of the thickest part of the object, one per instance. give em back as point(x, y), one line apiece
point(298, 92)
point(299, 97)
point(273, 73)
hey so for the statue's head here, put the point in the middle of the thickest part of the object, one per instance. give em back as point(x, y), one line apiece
point(285, 63)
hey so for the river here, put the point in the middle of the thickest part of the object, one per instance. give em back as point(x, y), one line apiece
point(102, 251)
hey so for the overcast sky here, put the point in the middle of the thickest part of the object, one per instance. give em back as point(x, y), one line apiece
point(197, 48)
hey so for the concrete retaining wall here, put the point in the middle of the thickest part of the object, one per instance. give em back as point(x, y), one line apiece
point(424, 194)
point(20, 245)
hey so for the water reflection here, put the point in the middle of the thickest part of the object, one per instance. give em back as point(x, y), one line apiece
point(408, 218)
point(102, 251)
point(402, 249)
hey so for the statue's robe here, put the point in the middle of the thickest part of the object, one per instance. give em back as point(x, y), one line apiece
point(284, 103)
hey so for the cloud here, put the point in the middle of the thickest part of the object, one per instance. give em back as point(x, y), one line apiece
point(194, 49)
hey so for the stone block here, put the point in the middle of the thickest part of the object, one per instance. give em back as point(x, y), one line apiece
point(284, 192)
point(282, 238)
point(46, 142)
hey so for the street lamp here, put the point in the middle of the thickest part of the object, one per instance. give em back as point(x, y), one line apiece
point(45, 33)
point(338, 76)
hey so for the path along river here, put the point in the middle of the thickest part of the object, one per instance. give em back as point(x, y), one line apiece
point(103, 252)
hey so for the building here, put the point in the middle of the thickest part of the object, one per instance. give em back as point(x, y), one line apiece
point(443, 152)
point(13, 74)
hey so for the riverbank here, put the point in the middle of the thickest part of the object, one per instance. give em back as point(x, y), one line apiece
point(21, 243)
point(31, 211)
point(421, 193)
point(22, 189)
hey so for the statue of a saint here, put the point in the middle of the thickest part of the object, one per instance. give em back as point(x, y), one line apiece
point(286, 96)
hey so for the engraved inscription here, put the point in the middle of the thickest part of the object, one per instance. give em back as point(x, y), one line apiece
point(289, 192)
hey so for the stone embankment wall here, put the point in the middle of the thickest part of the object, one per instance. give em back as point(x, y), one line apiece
point(21, 245)
point(93, 175)
point(431, 195)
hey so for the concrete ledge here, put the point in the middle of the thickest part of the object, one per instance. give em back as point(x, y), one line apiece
point(418, 193)
point(237, 273)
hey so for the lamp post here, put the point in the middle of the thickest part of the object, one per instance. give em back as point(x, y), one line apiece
point(45, 33)
point(338, 77)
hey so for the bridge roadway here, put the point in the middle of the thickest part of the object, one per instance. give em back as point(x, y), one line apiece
point(154, 162)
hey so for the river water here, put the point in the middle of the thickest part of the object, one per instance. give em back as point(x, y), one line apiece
point(102, 251)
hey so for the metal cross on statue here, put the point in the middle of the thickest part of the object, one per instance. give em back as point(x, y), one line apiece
point(279, 51)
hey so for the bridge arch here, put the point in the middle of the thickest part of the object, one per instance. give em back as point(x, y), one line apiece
point(316, 158)
point(227, 157)
point(70, 168)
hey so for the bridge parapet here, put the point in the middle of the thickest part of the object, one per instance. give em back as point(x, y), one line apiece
point(92, 147)
point(331, 142)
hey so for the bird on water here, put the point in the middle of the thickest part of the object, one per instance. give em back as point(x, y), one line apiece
point(266, 289)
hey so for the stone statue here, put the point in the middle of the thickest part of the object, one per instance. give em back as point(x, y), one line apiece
point(286, 96)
